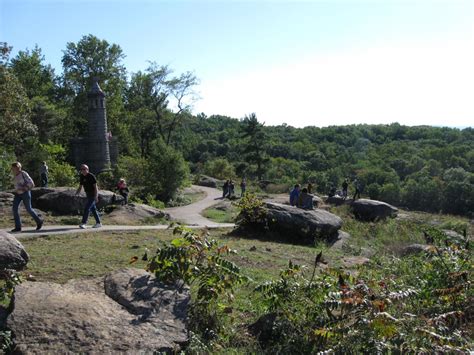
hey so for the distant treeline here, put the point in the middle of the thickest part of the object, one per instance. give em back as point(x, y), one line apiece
point(423, 168)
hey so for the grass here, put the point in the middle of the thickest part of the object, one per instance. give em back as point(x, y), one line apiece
point(61, 258)
point(221, 216)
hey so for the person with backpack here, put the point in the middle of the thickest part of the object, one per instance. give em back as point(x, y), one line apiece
point(89, 182)
point(23, 184)
point(44, 174)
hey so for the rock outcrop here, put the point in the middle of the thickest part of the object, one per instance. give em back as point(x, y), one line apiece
point(302, 224)
point(65, 201)
point(13, 255)
point(135, 212)
point(413, 249)
point(372, 210)
point(336, 200)
point(136, 314)
point(206, 181)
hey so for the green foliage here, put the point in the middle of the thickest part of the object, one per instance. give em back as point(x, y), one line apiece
point(8, 280)
point(252, 213)
point(418, 304)
point(6, 159)
point(195, 259)
point(106, 180)
point(166, 171)
point(219, 168)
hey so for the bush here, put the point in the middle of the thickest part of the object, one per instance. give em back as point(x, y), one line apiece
point(6, 159)
point(167, 171)
point(252, 212)
point(219, 168)
point(62, 174)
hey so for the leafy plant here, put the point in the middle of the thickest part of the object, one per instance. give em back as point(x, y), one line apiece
point(198, 261)
point(252, 212)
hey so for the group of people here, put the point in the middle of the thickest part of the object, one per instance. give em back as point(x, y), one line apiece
point(302, 198)
point(228, 189)
point(345, 187)
point(23, 184)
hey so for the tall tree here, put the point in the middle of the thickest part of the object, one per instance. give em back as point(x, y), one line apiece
point(255, 143)
point(37, 78)
point(15, 112)
point(88, 59)
point(155, 90)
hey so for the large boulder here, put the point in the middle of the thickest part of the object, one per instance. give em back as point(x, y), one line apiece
point(136, 314)
point(300, 223)
point(372, 210)
point(67, 202)
point(6, 199)
point(13, 255)
point(206, 181)
point(335, 200)
point(135, 212)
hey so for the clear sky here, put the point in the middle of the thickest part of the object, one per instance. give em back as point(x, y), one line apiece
point(302, 63)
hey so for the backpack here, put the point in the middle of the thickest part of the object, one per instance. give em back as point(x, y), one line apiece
point(29, 183)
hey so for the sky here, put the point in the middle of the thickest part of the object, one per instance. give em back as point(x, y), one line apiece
point(303, 63)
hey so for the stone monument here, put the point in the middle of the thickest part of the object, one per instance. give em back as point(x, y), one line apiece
point(99, 150)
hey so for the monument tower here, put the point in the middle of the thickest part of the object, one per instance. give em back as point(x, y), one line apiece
point(98, 150)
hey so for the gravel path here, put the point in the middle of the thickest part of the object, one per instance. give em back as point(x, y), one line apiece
point(189, 215)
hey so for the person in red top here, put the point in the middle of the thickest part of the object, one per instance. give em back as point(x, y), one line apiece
point(123, 190)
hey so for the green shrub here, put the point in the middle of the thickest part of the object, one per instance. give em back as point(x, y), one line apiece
point(195, 259)
point(252, 212)
point(219, 168)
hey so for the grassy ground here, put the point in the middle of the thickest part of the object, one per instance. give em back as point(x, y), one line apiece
point(221, 216)
point(61, 258)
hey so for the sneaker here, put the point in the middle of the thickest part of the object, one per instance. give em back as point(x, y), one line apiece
point(39, 225)
point(15, 230)
point(97, 225)
point(82, 226)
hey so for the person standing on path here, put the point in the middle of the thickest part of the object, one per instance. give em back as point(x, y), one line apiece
point(357, 189)
point(345, 186)
point(89, 182)
point(44, 174)
point(23, 184)
point(243, 187)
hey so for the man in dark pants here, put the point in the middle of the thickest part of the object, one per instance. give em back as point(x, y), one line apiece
point(89, 182)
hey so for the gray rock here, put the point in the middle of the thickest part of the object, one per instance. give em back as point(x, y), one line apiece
point(336, 200)
point(6, 197)
point(305, 224)
point(414, 249)
point(340, 240)
point(137, 314)
point(12, 253)
point(66, 202)
point(136, 212)
point(453, 235)
point(207, 181)
point(317, 201)
point(372, 210)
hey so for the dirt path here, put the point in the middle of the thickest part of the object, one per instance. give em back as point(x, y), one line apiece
point(189, 215)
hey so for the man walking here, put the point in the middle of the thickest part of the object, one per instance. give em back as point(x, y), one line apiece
point(89, 182)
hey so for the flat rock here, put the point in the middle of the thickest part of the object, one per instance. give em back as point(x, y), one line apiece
point(354, 261)
point(300, 223)
point(372, 210)
point(65, 201)
point(12, 253)
point(135, 314)
point(414, 249)
point(135, 212)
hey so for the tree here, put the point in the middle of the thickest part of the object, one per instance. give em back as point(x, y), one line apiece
point(88, 59)
point(167, 171)
point(15, 112)
point(155, 90)
point(37, 78)
point(255, 143)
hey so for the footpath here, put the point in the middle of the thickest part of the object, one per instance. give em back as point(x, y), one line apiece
point(189, 215)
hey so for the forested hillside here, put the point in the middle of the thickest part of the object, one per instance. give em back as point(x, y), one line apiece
point(161, 141)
